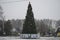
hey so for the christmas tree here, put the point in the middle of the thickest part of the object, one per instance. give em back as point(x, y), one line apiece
point(29, 26)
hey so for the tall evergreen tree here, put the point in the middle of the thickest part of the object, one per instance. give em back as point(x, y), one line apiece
point(29, 26)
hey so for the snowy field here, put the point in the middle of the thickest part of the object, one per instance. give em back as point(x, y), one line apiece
point(18, 38)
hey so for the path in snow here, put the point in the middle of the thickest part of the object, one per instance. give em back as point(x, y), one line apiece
point(18, 38)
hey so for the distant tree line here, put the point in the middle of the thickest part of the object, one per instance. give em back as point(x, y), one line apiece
point(42, 28)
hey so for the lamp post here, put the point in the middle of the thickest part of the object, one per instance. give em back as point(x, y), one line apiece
point(3, 24)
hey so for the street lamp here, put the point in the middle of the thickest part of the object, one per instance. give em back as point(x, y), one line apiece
point(3, 24)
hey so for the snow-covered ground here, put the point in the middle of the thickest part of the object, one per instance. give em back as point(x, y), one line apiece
point(18, 38)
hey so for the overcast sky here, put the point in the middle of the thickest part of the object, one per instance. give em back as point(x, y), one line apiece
point(42, 9)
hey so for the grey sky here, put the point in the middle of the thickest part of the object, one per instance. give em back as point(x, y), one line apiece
point(42, 9)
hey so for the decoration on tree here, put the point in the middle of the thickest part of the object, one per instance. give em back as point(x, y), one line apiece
point(29, 26)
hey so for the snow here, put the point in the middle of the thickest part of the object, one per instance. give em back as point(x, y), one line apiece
point(18, 38)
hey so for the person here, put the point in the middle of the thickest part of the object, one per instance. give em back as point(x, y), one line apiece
point(58, 32)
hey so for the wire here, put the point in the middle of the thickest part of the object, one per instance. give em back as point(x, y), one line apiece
point(12, 1)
